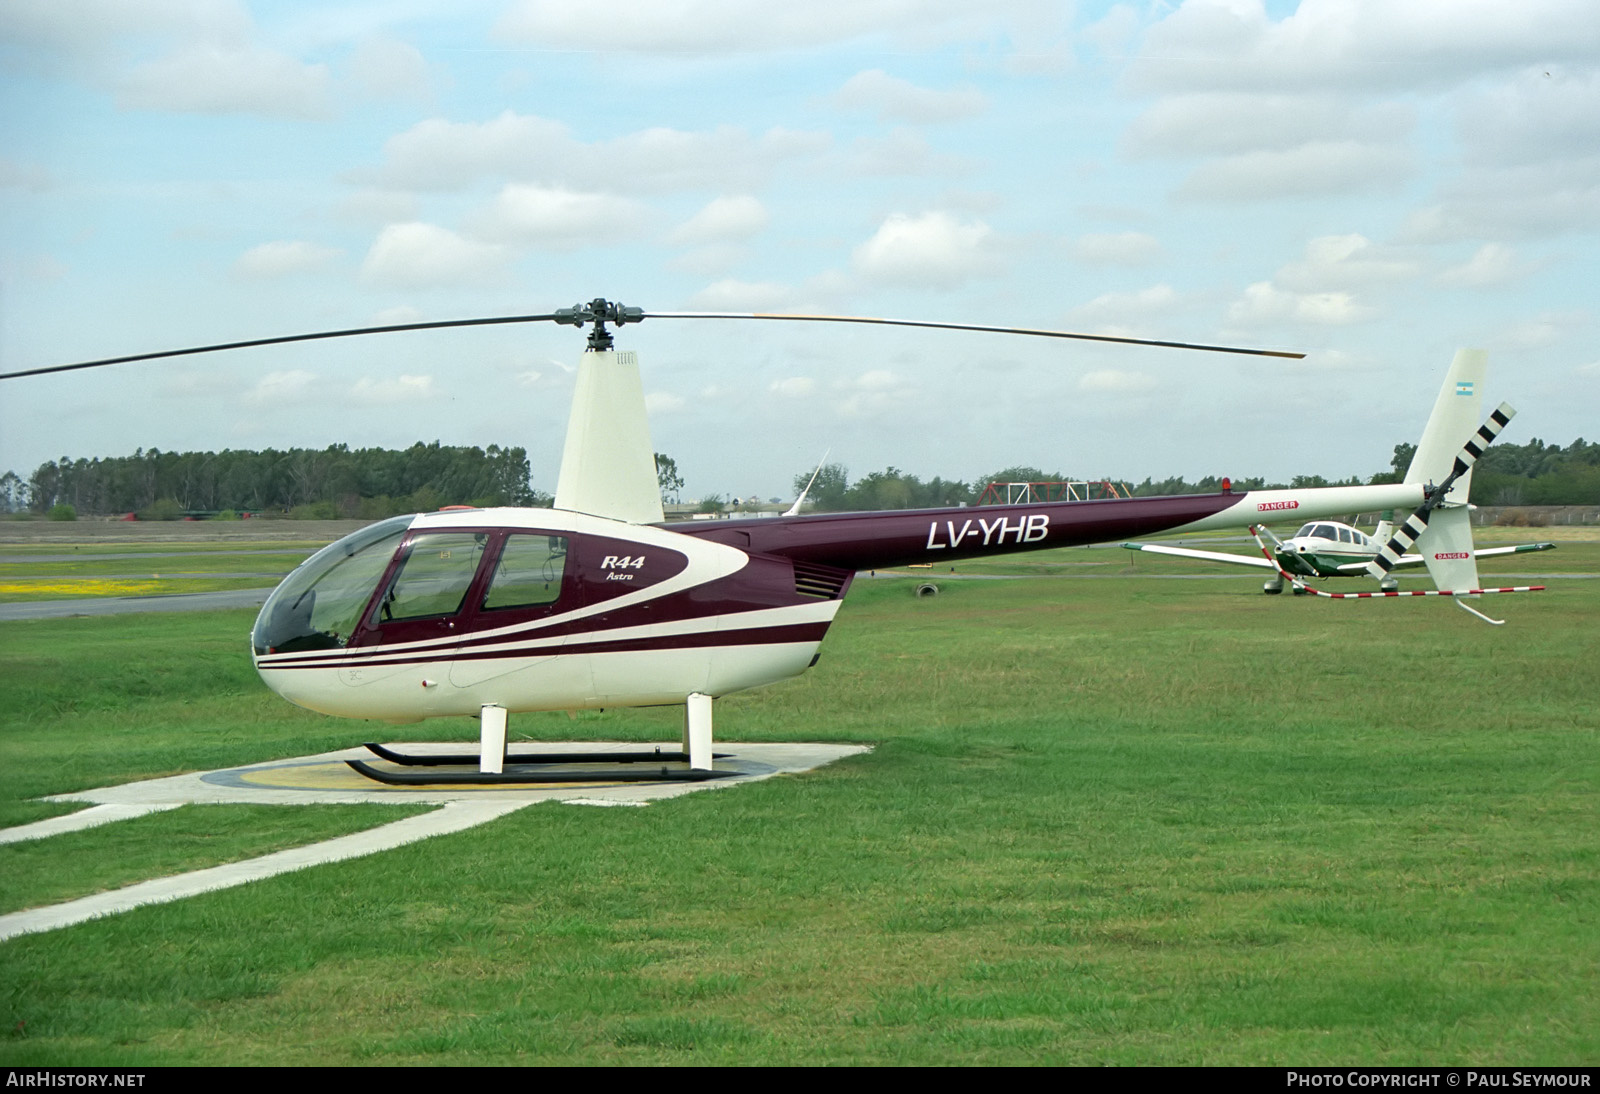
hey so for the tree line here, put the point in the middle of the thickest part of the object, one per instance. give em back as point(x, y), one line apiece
point(371, 483)
point(1535, 473)
point(337, 481)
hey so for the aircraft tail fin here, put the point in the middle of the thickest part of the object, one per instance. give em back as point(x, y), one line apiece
point(1456, 413)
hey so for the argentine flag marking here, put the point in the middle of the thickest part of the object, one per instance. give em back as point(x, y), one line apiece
point(1463, 387)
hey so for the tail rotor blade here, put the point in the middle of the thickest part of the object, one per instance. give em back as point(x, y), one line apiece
point(1405, 536)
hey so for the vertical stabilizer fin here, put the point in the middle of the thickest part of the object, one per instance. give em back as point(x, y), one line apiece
point(1456, 413)
point(608, 467)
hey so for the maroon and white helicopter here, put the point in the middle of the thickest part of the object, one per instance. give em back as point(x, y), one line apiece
point(598, 602)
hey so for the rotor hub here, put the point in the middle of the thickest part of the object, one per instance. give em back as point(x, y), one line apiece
point(599, 311)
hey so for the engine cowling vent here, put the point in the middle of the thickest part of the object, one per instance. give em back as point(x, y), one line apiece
point(822, 582)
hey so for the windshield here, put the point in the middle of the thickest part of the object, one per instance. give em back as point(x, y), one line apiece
point(318, 606)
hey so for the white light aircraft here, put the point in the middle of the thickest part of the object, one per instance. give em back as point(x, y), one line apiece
point(1329, 548)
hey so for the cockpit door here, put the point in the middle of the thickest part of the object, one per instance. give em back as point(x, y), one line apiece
point(528, 581)
point(420, 610)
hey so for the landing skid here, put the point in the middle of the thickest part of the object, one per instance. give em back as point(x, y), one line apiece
point(492, 759)
point(406, 759)
point(535, 760)
point(511, 778)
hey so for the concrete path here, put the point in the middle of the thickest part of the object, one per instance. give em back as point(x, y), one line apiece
point(450, 818)
point(92, 817)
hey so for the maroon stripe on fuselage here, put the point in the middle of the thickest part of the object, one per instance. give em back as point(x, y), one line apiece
point(869, 541)
point(750, 636)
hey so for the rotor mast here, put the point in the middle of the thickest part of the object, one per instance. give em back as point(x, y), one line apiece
point(608, 466)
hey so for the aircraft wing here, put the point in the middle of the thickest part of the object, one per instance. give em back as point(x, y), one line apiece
point(1418, 560)
point(1520, 548)
point(1208, 556)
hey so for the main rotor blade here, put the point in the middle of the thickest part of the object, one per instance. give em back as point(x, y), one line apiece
point(973, 327)
point(598, 311)
point(492, 321)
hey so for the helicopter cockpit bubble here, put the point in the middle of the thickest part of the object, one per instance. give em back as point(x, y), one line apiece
point(319, 605)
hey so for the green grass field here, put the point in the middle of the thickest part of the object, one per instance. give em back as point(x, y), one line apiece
point(1130, 820)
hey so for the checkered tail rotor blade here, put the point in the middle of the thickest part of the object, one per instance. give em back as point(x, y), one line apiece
point(1406, 535)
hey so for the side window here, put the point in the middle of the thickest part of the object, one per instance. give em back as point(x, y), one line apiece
point(529, 574)
point(434, 578)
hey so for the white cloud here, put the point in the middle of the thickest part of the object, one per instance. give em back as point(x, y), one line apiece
point(934, 250)
point(34, 267)
point(793, 387)
point(1542, 113)
point(1116, 249)
point(1345, 262)
point(1113, 312)
point(88, 29)
point(1320, 167)
point(731, 295)
point(397, 316)
point(401, 389)
point(901, 152)
point(24, 176)
point(878, 379)
point(1491, 264)
point(894, 99)
point(709, 261)
point(282, 389)
point(282, 258)
point(725, 219)
point(662, 159)
point(560, 219)
point(871, 394)
point(1231, 123)
point(1548, 199)
point(1357, 45)
point(1114, 33)
point(1325, 285)
point(379, 207)
point(1117, 381)
point(1547, 328)
point(211, 78)
point(736, 26)
point(391, 69)
point(1263, 302)
point(419, 255)
point(662, 402)
point(442, 155)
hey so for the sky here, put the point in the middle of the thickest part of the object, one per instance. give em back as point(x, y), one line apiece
point(1372, 183)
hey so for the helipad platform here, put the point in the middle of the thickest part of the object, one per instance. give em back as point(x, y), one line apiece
point(326, 778)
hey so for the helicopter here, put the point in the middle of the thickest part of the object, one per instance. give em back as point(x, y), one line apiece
point(1330, 548)
point(598, 602)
